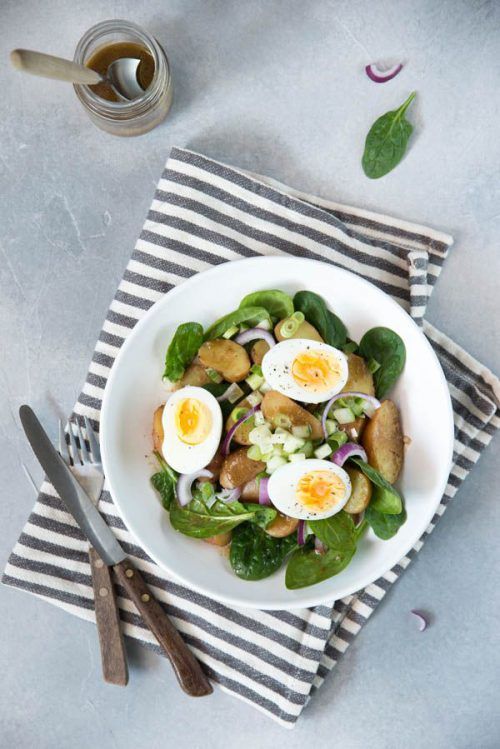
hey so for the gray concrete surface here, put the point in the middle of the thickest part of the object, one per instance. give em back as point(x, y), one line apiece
point(276, 87)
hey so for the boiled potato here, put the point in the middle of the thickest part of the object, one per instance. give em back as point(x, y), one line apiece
point(275, 403)
point(241, 435)
point(282, 526)
point(239, 469)
point(226, 357)
point(361, 492)
point(354, 429)
point(158, 429)
point(258, 351)
point(195, 375)
point(250, 491)
point(215, 466)
point(383, 441)
point(360, 378)
point(222, 539)
point(305, 330)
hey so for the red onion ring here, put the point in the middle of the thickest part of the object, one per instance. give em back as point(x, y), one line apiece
point(350, 394)
point(377, 75)
point(226, 445)
point(349, 450)
point(264, 498)
point(255, 334)
point(229, 495)
point(184, 483)
point(422, 621)
point(301, 533)
point(319, 546)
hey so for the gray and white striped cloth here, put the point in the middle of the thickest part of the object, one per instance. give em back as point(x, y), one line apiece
point(205, 213)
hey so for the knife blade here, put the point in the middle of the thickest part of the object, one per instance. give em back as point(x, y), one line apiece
point(72, 494)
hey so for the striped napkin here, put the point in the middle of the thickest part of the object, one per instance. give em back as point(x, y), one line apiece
point(205, 213)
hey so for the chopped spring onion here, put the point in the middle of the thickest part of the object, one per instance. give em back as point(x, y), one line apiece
point(290, 326)
point(303, 431)
point(378, 75)
point(296, 457)
point(213, 375)
point(351, 394)
point(254, 381)
point(337, 439)
point(264, 325)
point(254, 453)
point(281, 420)
point(232, 394)
point(230, 332)
point(238, 412)
point(344, 415)
point(265, 388)
point(350, 347)
point(331, 427)
point(373, 365)
point(260, 434)
point(292, 444)
point(308, 449)
point(323, 451)
point(279, 438)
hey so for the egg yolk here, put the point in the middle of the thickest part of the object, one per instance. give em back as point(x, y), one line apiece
point(319, 490)
point(193, 421)
point(316, 370)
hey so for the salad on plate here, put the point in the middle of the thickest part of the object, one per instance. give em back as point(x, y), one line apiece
point(277, 440)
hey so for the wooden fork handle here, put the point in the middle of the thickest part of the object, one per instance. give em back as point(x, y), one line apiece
point(113, 656)
point(187, 669)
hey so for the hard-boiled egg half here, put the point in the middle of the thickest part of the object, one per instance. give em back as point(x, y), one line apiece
point(192, 426)
point(309, 489)
point(304, 370)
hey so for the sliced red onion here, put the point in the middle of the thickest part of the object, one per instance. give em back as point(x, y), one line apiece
point(184, 483)
point(349, 450)
point(378, 75)
point(226, 445)
point(319, 546)
point(229, 495)
point(351, 394)
point(422, 621)
point(254, 334)
point(301, 533)
point(264, 498)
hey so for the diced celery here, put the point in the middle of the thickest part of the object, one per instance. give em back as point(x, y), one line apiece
point(337, 439)
point(343, 415)
point(308, 449)
point(292, 444)
point(295, 457)
point(278, 450)
point(254, 381)
point(254, 453)
point(231, 331)
point(234, 393)
point(323, 452)
point(214, 375)
point(260, 434)
point(265, 388)
point(254, 398)
point(259, 418)
point(303, 431)
point(331, 426)
point(275, 462)
point(279, 438)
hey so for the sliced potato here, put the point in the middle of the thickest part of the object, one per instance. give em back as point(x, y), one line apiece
point(158, 429)
point(250, 491)
point(241, 435)
point(226, 357)
point(258, 351)
point(354, 429)
point(275, 403)
point(360, 378)
point(239, 469)
point(282, 526)
point(361, 492)
point(305, 330)
point(195, 375)
point(222, 539)
point(383, 441)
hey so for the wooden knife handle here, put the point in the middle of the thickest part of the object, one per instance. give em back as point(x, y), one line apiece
point(113, 656)
point(187, 669)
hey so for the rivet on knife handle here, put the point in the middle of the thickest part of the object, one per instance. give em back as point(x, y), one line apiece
point(187, 669)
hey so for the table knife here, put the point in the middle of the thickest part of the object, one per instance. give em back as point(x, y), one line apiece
point(186, 667)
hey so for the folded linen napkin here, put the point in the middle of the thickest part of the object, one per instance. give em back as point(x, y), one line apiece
point(205, 213)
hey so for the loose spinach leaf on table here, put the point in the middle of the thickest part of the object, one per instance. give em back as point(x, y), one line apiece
point(164, 481)
point(278, 304)
point(384, 526)
point(387, 348)
point(255, 555)
point(329, 326)
point(251, 316)
point(307, 567)
point(182, 350)
point(199, 521)
point(386, 141)
point(388, 490)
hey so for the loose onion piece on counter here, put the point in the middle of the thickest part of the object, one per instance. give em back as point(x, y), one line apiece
point(376, 74)
point(226, 445)
point(349, 450)
point(422, 621)
point(185, 482)
point(255, 334)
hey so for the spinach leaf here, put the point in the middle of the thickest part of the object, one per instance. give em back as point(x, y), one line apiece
point(251, 316)
point(262, 515)
point(164, 481)
point(255, 555)
point(386, 501)
point(337, 532)
point(182, 350)
point(329, 326)
point(386, 141)
point(375, 477)
point(278, 304)
point(387, 349)
point(199, 521)
point(384, 526)
point(307, 567)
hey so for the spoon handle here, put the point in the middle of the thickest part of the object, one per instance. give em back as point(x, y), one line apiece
point(48, 66)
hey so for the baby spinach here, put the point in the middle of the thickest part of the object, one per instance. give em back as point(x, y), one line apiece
point(200, 521)
point(182, 350)
point(387, 349)
point(386, 141)
point(329, 326)
point(307, 567)
point(255, 555)
point(384, 526)
point(386, 501)
point(278, 304)
point(251, 316)
point(336, 532)
point(164, 481)
point(396, 503)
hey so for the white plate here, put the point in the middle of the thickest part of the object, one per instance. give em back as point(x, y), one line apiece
point(135, 389)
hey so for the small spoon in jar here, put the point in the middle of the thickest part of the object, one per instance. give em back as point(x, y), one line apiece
point(121, 75)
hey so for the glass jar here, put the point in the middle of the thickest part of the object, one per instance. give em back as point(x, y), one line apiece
point(125, 117)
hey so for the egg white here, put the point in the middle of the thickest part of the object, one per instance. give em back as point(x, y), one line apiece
point(277, 369)
point(180, 456)
point(283, 483)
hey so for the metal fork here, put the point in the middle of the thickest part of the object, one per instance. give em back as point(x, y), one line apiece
point(86, 466)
